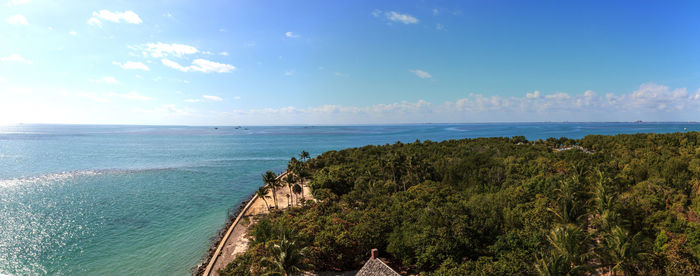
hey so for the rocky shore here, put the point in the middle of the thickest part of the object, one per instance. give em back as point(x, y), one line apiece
point(216, 239)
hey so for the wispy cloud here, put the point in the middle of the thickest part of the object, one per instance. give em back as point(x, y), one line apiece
point(422, 74)
point(206, 98)
point(650, 102)
point(200, 65)
point(73, 33)
point(289, 73)
point(402, 18)
point(116, 17)
point(291, 35)
point(93, 21)
point(15, 58)
point(159, 49)
point(132, 65)
point(107, 80)
point(17, 19)
point(212, 98)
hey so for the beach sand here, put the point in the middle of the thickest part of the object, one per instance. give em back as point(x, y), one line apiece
point(237, 242)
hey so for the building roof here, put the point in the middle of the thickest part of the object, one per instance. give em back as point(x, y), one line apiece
point(375, 267)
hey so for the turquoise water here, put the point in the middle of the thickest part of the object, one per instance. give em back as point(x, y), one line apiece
point(127, 200)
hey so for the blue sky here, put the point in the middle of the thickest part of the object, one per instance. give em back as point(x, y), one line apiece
point(347, 62)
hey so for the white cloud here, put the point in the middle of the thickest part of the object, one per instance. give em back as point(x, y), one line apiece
point(237, 97)
point(650, 102)
point(440, 27)
point(73, 33)
point(436, 11)
point(107, 80)
point(205, 98)
point(289, 73)
point(212, 98)
point(94, 22)
point(200, 65)
point(533, 95)
point(223, 53)
point(132, 65)
point(291, 35)
point(134, 96)
point(422, 74)
point(158, 50)
point(174, 65)
point(15, 58)
point(376, 13)
point(403, 18)
point(17, 19)
point(116, 17)
point(17, 2)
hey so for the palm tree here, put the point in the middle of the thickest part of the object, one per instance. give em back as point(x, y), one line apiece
point(304, 155)
point(290, 179)
point(621, 251)
point(294, 165)
point(297, 189)
point(286, 259)
point(270, 180)
point(262, 193)
point(569, 241)
point(553, 266)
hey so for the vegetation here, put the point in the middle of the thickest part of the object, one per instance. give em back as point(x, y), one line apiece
point(262, 193)
point(625, 204)
point(272, 183)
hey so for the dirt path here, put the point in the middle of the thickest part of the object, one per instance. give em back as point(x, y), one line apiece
point(237, 242)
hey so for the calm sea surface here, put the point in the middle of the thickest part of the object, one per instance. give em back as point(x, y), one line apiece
point(128, 200)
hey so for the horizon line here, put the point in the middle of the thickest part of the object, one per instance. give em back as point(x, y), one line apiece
point(366, 124)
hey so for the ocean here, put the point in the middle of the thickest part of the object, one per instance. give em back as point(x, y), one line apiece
point(145, 200)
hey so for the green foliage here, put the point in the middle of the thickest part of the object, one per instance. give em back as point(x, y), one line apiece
point(502, 206)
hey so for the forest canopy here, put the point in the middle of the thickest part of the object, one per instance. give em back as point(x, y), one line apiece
point(500, 206)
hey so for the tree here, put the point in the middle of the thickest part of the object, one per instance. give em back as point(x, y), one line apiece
point(262, 193)
point(297, 189)
point(304, 155)
point(270, 180)
point(290, 179)
point(569, 245)
point(621, 251)
point(287, 258)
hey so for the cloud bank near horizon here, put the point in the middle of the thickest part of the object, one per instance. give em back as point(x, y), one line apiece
point(650, 102)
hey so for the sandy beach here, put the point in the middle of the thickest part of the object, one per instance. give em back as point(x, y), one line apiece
point(236, 242)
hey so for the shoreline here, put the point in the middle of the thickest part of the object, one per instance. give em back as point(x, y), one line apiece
point(218, 238)
point(217, 248)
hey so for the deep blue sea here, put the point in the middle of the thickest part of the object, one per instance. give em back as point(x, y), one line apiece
point(145, 200)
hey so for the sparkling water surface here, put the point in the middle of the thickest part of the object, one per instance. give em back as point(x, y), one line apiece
point(145, 200)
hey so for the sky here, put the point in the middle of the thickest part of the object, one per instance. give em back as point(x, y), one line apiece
point(347, 62)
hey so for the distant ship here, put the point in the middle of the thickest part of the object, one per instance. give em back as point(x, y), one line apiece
point(638, 121)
